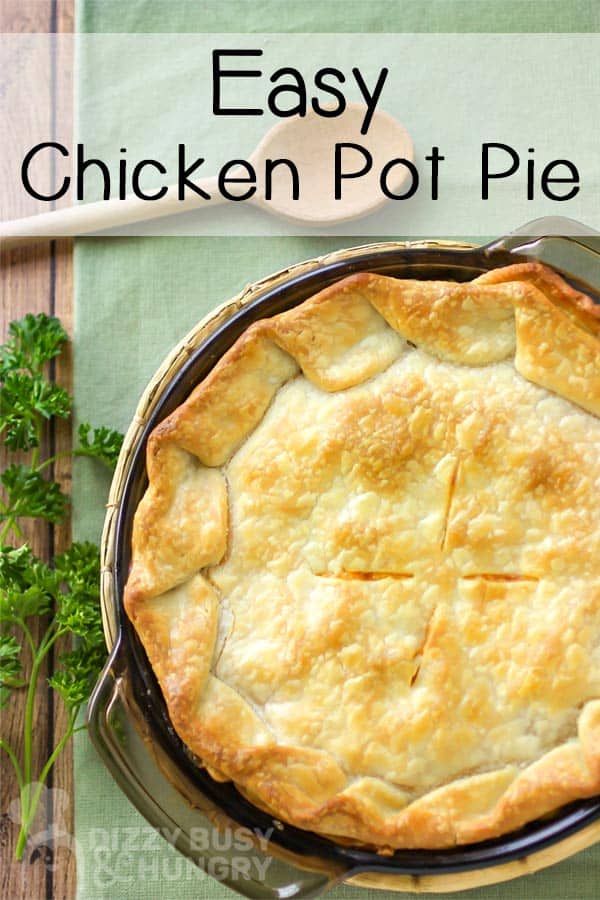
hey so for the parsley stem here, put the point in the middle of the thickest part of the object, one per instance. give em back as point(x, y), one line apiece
point(52, 459)
point(28, 816)
point(49, 638)
point(92, 455)
point(75, 452)
point(8, 527)
point(28, 738)
point(55, 753)
point(11, 524)
point(28, 804)
point(23, 830)
point(15, 763)
point(29, 636)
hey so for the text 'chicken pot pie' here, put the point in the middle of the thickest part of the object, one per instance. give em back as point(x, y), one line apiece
point(366, 570)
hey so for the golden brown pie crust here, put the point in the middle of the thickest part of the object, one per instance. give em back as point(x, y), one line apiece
point(366, 570)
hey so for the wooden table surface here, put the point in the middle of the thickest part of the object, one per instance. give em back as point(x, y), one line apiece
point(36, 279)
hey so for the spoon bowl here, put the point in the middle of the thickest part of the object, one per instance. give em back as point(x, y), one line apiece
point(311, 143)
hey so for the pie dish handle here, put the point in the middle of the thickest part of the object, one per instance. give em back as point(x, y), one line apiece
point(565, 244)
point(241, 858)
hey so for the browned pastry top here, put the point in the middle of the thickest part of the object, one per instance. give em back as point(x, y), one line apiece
point(367, 567)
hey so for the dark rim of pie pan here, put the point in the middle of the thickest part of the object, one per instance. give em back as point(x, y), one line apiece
point(425, 263)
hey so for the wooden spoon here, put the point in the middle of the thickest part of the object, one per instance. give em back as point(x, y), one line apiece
point(309, 142)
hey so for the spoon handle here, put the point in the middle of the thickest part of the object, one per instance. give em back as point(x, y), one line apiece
point(88, 218)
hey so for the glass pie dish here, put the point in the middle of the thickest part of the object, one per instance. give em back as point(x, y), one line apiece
point(128, 718)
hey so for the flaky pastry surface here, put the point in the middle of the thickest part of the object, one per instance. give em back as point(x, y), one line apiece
point(366, 570)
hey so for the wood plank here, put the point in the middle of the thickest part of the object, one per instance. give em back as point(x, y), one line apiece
point(64, 863)
point(64, 874)
point(25, 16)
point(24, 287)
point(36, 279)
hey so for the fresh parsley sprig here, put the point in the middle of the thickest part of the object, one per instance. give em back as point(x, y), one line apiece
point(63, 592)
point(33, 341)
point(105, 444)
point(27, 400)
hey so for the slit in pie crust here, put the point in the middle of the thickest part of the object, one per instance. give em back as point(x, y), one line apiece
point(366, 570)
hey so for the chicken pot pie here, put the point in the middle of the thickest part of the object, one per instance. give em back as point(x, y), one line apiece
point(366, 570)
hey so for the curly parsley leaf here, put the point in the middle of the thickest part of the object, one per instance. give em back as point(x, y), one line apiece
point(77, 674)
point(28, 586)
point(24, 399)
point(105, 443)
point(33, 341)
point(78, 609)
point(79, 566)
point(10, 666)
point(78, 612)
point(31, 496)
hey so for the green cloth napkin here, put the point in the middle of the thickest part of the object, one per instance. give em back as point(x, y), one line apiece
point(135, 298)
